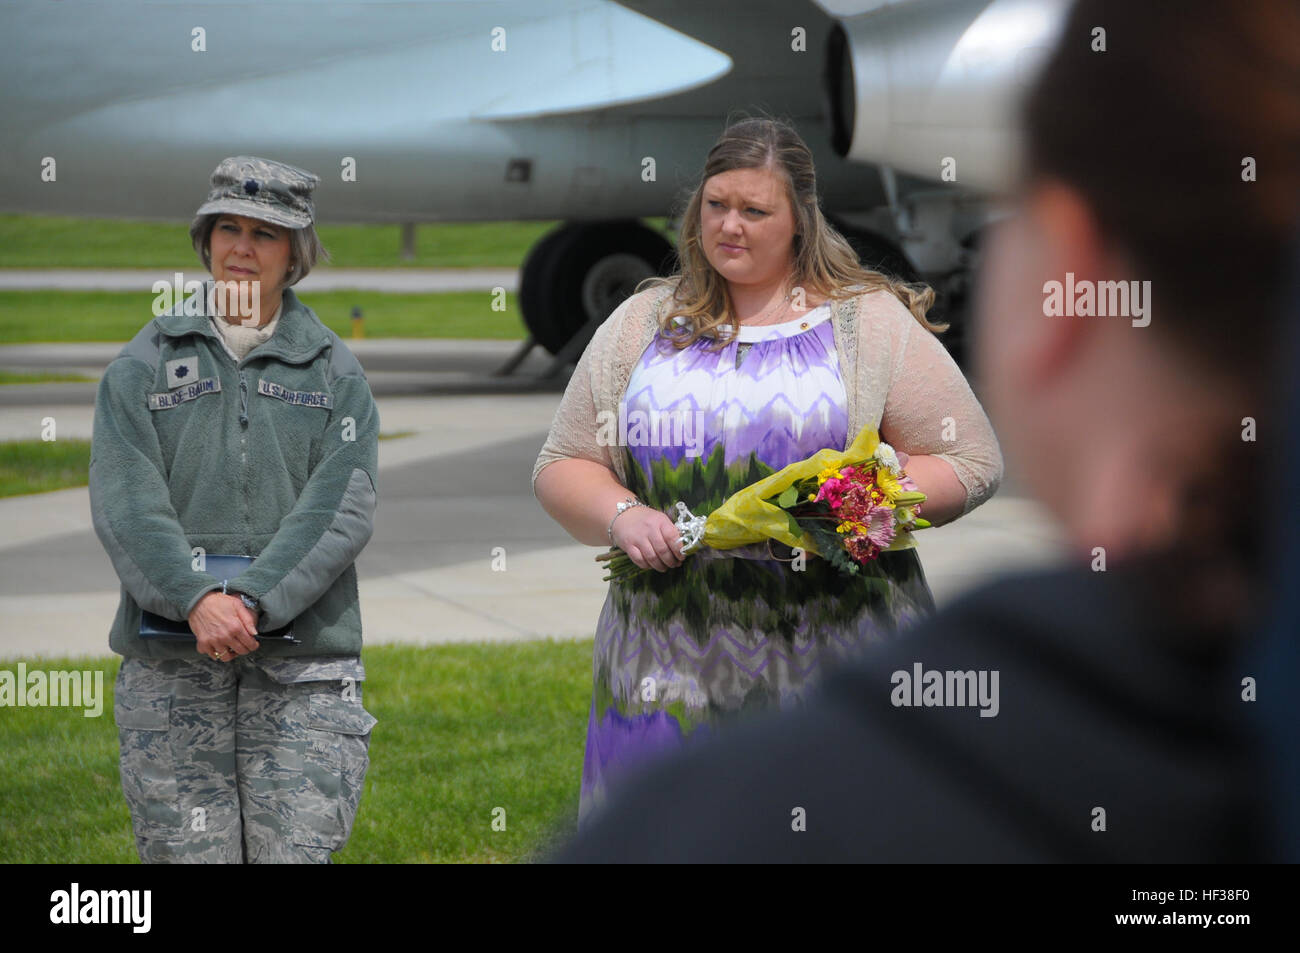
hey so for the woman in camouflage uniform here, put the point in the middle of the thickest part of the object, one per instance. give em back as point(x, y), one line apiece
point(236, 423)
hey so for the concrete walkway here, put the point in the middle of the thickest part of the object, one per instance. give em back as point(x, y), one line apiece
point(394, 366)
point(451, 494)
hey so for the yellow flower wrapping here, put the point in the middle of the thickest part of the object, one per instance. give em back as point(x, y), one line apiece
point(746, 516)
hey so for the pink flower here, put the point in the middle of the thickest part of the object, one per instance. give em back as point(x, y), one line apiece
point(832, 493)
point(880, 526)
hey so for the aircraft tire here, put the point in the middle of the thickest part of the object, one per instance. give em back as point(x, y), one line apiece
point(583, 269)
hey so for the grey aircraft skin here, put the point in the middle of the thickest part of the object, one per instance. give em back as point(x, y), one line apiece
point(589, 111)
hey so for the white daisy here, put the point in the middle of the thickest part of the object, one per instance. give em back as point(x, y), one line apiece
point(886, 457)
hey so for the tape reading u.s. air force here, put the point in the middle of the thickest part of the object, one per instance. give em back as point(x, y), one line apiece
point(209, 385)
point(305, 398)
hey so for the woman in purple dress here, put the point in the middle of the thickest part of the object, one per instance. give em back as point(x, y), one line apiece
point(770, 344)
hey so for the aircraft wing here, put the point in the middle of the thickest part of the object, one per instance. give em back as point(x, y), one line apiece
point(456, 110)
point(136, 93)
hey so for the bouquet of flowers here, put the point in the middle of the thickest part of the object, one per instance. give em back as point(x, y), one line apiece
point(846, 506)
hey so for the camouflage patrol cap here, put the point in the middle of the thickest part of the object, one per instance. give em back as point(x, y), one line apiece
point(264, 189)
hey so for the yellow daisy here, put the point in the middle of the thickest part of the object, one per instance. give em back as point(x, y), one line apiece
point(830, 473)
point(888, 484)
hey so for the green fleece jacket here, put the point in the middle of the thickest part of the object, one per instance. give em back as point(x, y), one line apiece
point(273, 457)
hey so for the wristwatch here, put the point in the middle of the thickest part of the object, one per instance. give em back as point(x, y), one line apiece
point(244, 597)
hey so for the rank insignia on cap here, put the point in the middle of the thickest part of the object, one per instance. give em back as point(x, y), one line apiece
point(183, 370)
point(264, 189)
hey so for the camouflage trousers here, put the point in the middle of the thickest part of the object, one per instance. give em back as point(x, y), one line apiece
point(259, 760)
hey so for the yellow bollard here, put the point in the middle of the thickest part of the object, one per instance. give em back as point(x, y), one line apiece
point(358, 323)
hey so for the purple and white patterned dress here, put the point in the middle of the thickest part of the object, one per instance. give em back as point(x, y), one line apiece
point(679, 653)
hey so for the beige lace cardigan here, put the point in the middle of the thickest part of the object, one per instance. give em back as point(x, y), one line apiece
point(898, 379)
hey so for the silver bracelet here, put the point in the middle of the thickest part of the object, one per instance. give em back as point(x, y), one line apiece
point(622, 508)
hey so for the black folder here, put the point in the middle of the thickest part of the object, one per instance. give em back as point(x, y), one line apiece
point(153, 626)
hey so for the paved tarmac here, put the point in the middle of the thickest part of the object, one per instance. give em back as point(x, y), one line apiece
point(453, 490)
point(394, 366)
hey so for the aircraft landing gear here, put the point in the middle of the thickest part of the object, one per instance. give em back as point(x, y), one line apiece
point(575, 276)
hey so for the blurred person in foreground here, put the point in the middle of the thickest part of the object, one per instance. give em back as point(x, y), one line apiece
point(1106, 715)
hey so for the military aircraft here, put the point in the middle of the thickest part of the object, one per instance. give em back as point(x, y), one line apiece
point(594, 112)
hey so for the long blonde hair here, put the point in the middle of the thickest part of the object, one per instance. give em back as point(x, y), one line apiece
point(824, 262)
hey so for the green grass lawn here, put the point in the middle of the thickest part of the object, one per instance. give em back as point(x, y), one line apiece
point(31, 241)
point(463, 729)
point(39, 377)
point(32, 316)
point(38, 241)
point(38, 466)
